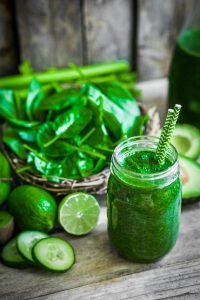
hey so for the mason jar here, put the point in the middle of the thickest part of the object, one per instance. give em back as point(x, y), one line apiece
point(143, 210)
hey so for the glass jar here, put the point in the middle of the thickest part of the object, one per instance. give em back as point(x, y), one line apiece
point(143, 210)
point(184, 74)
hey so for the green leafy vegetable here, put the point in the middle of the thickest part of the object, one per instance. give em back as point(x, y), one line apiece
point(13, 141)
point(70, 123)
point(33, 99)
point(120, 108)
point(45, 134)
point(61, 100)
point(7, 104)
point(67, 131)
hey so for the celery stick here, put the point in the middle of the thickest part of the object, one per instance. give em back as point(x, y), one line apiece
point(64, 75)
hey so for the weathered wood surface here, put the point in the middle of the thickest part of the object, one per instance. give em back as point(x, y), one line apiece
point(50, 32)
point(108, 29)
point(159, 23)
point(57, 32)
point(100, 273)
point(8, 51)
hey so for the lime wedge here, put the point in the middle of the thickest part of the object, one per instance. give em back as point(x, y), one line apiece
point(78, 213)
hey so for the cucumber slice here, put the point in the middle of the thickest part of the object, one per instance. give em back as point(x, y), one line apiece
point(54, 254)
point(6, 226)
point(190, 174)
point(11, 257)
point(25, 242)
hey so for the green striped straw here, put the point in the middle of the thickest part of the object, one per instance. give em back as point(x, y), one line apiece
point(167, 132)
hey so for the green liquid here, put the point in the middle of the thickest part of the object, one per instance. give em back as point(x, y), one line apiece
point(184, 77)
point(144, 162)
point(143, 222)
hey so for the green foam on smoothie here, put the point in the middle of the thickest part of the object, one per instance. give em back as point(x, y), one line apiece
point(145, 162)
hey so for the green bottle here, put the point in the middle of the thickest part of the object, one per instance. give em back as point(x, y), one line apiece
point(184, 74)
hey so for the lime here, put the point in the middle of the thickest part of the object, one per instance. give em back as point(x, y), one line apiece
point(78, 213)
point(32, 208)
point(4, 178)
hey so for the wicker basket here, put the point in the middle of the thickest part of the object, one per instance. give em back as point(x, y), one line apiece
point(95, 184)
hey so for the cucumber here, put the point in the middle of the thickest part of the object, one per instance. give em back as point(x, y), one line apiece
point(25, 242)
point(11, 257)
point(54, 254)
point(6, 226)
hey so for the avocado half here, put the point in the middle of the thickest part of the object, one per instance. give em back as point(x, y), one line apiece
point(186, 139)
point(190, 174)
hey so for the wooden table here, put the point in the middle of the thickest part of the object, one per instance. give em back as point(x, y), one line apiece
point(100, 273)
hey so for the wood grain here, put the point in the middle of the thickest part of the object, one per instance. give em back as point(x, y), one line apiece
point(98, 264)
point(159, 23)
point(8, 53)
point(108, 29)
point(50, 32)
point(179, 281)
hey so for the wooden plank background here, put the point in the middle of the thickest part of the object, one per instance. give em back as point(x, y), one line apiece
point(159, 23)
point(8, 48)
point(107, 34)
point(50, 32)
point(57, 32)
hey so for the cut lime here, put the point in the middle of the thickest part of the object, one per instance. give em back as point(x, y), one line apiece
point(78, 213)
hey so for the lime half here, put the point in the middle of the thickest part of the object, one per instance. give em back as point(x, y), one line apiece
point(78, 213)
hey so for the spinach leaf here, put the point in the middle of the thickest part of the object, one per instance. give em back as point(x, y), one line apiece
point(33, 99)
point(99, 134)
point(46, 133)
point(70, 169)
point(99, 166)
point(52, 170)
point(91, 151)
point(23, 123)
point(85, 166)
point(8, 107)
point(13, 141)
point(28, 135)
point(61, 100)
point(120, 108)
point(70, 123)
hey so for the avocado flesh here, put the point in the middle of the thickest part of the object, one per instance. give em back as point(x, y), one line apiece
point(190, 188)
point(186, 139)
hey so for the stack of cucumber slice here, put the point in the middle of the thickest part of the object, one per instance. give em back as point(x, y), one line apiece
point(38, 249)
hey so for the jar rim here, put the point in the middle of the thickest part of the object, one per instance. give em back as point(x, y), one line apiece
point(141, 176)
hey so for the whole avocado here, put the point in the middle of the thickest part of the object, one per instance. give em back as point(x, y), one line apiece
point(32, 208)
point(5, 174)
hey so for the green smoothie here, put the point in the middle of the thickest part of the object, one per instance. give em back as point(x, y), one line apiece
point(143, 204)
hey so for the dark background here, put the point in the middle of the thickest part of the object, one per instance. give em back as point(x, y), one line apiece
point(57, 32)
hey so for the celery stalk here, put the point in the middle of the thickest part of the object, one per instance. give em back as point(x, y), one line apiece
point(64, 75)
